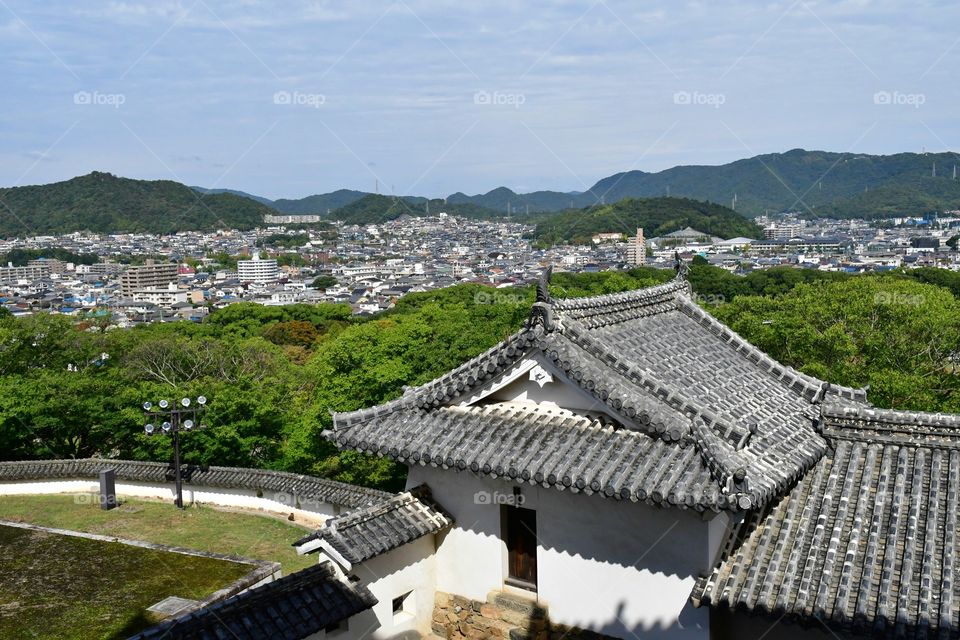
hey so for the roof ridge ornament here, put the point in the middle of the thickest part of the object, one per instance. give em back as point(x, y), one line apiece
point(542, 311)
point(682, 268)
point(543, 285)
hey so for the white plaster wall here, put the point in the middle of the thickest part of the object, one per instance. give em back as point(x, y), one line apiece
point(469, 554)
point(619, 568)
point(410, 568)
point(407, 569)
point(311, 511)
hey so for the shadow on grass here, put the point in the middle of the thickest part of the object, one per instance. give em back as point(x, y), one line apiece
point(134, 625)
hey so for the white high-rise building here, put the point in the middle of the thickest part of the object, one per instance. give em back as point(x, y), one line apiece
point(637, 249)
point(258, 270)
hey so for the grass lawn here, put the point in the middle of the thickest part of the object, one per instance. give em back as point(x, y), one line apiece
point(203, 528)
point(62, 587)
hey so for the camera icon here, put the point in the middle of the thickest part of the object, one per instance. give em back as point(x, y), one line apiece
point(482, 97)
point(482, 497)
point(82, 97)
point(882, 97)
point(681, 97)
point(282, 97)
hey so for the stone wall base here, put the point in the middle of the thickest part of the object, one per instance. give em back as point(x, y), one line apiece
point(503, 615)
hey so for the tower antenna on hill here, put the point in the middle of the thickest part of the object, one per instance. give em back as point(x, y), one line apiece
point(934, 174)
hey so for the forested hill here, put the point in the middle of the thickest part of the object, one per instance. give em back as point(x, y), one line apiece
point(374, 209)
point(656, 216)
point(816, 183)
point(319, 204)
point(102, 202)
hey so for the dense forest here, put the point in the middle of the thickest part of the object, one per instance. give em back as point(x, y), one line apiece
point(274, 373)
point(101, 202)
point(656, 216)
point(20, 257)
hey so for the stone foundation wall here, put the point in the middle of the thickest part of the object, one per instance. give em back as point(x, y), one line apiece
point(503, 615)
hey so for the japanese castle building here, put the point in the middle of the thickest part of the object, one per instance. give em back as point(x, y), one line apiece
point(627, 466)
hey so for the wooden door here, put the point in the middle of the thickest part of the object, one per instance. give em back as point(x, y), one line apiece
point(521, 538)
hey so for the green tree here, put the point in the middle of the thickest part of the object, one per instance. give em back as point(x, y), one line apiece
point(324, 282)
point(899, 337)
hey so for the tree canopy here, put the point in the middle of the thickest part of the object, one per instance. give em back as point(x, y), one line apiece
point(273, 374)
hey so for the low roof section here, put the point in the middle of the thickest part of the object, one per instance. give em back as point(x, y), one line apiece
point(866, 543)
point(372, 531)
point(291, 608)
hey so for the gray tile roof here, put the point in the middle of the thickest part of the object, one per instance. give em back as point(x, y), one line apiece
point(658, 363)
point(549, 448)
point(377, 529)
point(867, 541)
point(304, 487)
point(291, 608)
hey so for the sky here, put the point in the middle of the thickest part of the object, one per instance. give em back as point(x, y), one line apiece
point(290, 98)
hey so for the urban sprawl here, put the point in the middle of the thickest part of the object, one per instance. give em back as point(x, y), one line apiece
point(370, 267)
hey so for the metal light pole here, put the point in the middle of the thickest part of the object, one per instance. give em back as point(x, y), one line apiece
point(173, 420)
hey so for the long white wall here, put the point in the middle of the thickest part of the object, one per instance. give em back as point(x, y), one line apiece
point(311, 512)
point(619, 568)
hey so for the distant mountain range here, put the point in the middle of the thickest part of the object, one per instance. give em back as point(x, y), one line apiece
point(814, 183)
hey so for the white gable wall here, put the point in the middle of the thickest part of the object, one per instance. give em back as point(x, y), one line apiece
point(538, 381)
point(407, 569)
point(619, 568)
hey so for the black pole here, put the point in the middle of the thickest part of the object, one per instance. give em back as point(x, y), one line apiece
point(176, 459)
point(171, 420)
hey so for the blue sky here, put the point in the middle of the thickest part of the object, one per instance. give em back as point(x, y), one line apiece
point(285, 99)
